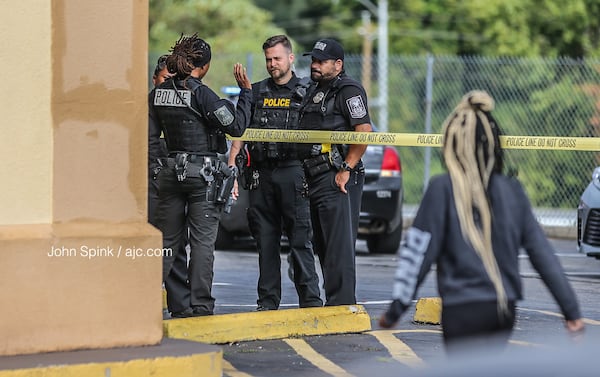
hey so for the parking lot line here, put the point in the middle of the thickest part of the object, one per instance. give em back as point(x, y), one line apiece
point(230, 371)
point(309, 354)
point(399, 350)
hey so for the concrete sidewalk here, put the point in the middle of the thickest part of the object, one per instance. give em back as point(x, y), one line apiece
point(173, 357)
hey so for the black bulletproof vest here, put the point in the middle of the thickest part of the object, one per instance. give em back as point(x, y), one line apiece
point(318, 112)
point(276, 110)
point(184, 130)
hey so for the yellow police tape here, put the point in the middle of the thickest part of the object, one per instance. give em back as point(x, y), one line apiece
point(413, 140)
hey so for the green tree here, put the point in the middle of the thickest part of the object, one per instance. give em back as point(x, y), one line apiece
point(235, 29)
point(495, 27)
point(458, 27)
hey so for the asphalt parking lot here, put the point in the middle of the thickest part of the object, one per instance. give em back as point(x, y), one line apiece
point(400, 351)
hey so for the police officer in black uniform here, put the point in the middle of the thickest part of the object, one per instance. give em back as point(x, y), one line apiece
point(161, 73)
point(194, 184)
point(278, 193)
point(334, 172)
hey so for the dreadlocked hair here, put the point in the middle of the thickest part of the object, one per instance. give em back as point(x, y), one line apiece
point(188, 53)
point(472, 153)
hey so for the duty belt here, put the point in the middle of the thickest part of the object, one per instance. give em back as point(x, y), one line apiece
point(205, 166)
point(271, 163)
point(193, 157)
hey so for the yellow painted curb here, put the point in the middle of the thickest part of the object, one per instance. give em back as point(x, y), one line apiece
point(428, 310)
point(207, 364)
point(272, 324)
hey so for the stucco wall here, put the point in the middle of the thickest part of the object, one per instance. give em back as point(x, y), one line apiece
point(74, 170)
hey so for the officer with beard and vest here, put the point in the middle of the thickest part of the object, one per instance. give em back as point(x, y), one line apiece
point(275, 178)
point(194, 121)
point(335, 173)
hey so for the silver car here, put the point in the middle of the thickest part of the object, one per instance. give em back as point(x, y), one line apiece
point(588, 218)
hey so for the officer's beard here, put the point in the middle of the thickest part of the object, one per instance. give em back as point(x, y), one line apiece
point(321, 77)
point(278, 73)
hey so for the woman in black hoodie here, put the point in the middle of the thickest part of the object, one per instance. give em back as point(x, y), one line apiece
point(472, 222)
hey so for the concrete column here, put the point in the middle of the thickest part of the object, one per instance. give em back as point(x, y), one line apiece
point(73, 174)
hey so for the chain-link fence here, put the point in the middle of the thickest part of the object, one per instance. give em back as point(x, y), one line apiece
point(534, 97)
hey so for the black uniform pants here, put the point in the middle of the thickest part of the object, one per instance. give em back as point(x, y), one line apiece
point(280, 199)
point(355, 190)
point(152, 199)
point(183, 204)
point(177, 279)
point(335, 223)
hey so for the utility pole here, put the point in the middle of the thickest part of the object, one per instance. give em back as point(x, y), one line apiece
point(366, 30)
point(381, 12)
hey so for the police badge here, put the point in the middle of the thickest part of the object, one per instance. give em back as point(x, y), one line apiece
point(318, 97)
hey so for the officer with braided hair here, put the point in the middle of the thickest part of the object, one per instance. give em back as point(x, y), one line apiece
point(194, 121)
point(278, 192)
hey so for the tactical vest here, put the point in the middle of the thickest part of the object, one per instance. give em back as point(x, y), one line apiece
point(184, 129)
point(318, 112)
point(276, 111)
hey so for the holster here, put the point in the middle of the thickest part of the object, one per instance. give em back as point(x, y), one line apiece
point(317, 165)
point(219, 190)
point(245, 171)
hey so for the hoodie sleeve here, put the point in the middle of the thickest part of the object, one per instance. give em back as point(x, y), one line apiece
point(544, 260)
point(421, 244)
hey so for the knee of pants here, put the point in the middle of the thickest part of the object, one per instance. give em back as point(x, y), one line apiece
point(252, 217)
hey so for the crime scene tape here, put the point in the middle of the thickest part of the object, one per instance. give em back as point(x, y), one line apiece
point(412, 139)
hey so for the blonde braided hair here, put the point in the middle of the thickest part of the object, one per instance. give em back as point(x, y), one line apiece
point(472, 153)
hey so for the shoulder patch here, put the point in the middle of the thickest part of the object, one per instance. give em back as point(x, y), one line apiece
point(224, 116)
point(356, 107)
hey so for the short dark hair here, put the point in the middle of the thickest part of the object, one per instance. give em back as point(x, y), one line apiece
point(277, 39)
point(161, 63)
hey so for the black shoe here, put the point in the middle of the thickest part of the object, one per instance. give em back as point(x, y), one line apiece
point(183, 314)
point(200, 311)
point(261, 308)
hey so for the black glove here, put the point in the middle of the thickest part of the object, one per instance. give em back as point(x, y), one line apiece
point(392, 315)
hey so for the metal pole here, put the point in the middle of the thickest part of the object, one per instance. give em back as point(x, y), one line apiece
point(382, 63)
point(366, 32)
point(381, 11)
point(249, 65)
point(428, 100)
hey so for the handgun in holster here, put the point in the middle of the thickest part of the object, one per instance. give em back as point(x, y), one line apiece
point(241, 161)
point(229, 175)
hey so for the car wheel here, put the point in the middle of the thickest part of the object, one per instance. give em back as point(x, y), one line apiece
point(385, 243)
point(224, 239)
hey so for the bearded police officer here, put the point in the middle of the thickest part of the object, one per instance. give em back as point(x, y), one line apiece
point(335, 173)
point(194, 184)
point(276, 182)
